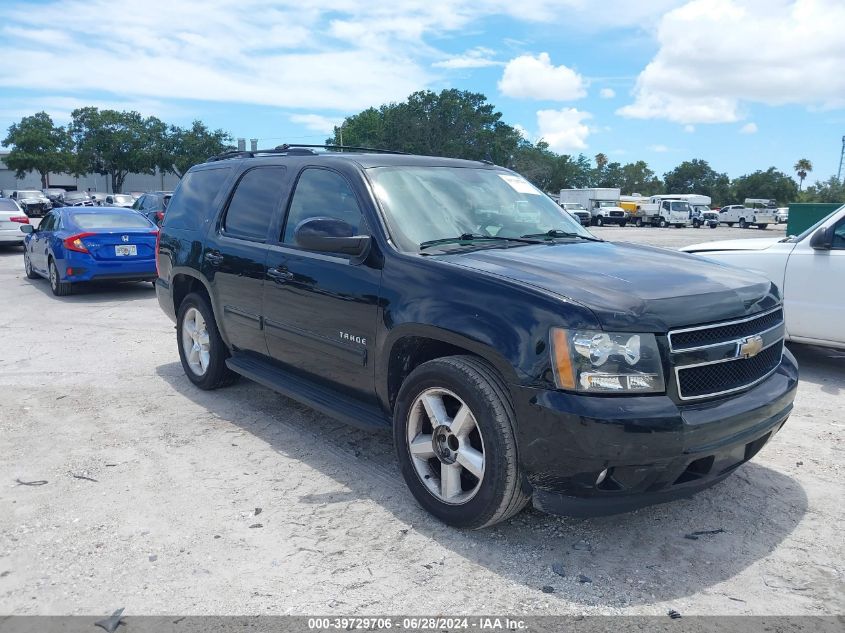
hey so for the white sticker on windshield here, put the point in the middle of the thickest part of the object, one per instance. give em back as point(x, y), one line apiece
point(519, 184)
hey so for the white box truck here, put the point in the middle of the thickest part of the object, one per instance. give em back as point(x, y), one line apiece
point(602, 203)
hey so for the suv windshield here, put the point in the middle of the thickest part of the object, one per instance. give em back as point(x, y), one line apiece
point(422, 204)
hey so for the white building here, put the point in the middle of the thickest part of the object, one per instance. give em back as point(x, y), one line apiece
point(88, 182)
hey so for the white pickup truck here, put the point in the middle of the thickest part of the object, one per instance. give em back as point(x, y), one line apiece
point(746, 216)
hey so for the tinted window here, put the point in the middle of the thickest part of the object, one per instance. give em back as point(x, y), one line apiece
point(839, 236)
point(48, 222)
point(324, 194)
point(8, 205)
point(194, 197)
point(254, 202)
point(103, 220)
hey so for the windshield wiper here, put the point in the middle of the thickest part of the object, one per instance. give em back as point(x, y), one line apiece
point(558, 233)
point(476, 237)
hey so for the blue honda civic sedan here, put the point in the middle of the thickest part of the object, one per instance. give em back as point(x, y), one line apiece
point(76, 244)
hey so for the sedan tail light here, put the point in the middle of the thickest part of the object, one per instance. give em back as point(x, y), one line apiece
point(22, 219)
point(75, 243)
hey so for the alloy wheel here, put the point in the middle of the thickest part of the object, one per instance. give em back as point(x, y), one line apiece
point(195, 341)
point(446, 446)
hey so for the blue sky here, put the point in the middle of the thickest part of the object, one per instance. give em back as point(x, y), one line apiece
point(744, 84)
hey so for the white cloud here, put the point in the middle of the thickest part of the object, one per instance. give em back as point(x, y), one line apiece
point(748, 128)
point(529, 77)
point(478, 57)
point(564, 130)
point(715, 55)
point(659, 148)
point(607, 93)
point(316, 122)
point(689, 129)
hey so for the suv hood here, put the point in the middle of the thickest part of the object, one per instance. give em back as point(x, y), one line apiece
point(751, 244)
point(630, 287)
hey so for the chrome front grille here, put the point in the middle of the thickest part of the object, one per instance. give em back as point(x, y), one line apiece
point(722, 358)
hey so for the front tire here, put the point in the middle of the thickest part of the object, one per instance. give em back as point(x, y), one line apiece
point(453, 429)
point(599, 221)
point(201, 349)
point(743, 224)
point(27, 266)
point(60, 288)
point(663, 223)
point(638, 223)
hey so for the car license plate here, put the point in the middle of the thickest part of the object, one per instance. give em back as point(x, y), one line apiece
point(122, 250)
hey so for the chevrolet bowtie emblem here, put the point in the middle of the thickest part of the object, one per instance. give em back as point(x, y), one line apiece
point(750, 346)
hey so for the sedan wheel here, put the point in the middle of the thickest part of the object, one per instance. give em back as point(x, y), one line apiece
point(60, 288)
point(27, 266)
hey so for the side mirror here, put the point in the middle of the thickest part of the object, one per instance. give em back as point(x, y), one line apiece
point(27, 228)
point(330, 235)
point(822, 239)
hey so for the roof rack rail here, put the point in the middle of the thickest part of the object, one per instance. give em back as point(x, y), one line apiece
point(294, 149)
point(353, 148)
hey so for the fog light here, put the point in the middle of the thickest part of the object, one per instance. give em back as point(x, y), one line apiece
point(602, 476)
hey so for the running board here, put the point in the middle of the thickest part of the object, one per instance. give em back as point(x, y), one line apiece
point(319, 397)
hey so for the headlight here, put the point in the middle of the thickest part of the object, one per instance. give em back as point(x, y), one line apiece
point(606, 362)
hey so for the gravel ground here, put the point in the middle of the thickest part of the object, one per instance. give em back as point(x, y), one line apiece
point(164, 499)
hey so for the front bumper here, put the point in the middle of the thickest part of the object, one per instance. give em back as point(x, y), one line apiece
point(653, 449)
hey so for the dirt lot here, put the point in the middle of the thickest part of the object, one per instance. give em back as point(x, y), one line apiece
point(164, 499)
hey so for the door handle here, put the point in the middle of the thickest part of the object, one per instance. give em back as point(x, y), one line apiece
point(280, 276)
point(214, 258)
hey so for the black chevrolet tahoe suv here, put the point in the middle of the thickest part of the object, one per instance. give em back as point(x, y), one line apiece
point(514, 355)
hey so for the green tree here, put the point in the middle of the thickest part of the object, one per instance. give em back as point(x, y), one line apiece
point(571, 173)
point(696, 176)
point(184, 148)
point(830, 190)
point(610, 175)
point(116, 143)
point(802, 168)
point(638, 178)
point(37, 145)
point(453, 123)
point(772, 184)
point(601, 161)
point(536, 163)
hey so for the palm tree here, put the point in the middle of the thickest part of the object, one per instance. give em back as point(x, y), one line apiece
point(601, 161)
point(802, 168)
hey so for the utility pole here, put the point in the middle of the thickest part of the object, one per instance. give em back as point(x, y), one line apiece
point(841, 160)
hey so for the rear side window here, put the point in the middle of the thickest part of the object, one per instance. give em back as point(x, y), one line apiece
point(193, 199)
point(254, 203)
point(110, 220)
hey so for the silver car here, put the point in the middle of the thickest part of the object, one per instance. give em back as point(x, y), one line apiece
point(12, 218)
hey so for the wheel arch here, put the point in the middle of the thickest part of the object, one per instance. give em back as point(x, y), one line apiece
point(412, 346)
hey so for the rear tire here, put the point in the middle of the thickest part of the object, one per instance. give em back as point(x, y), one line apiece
point(638, 223)
point(696, 224)
point(730, 224)
point(762, 226)
point(60, 288)
point(201, 349)
point(743, 224)
point(471, 421)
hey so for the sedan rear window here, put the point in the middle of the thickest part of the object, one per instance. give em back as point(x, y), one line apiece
point(110, 220)
point(8, 205)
